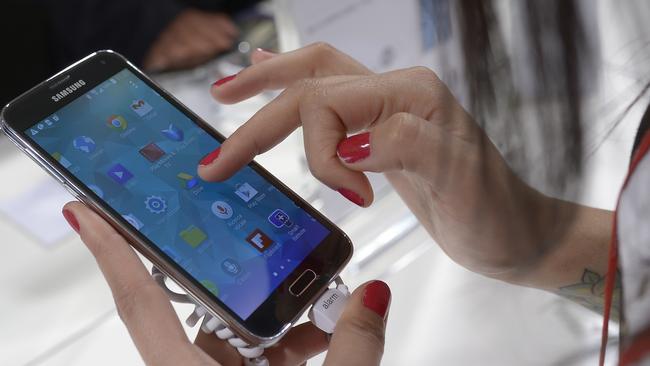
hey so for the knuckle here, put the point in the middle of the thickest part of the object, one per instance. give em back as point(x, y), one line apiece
point(245, 141)
point(132, 297)
point(321, 163)
point(324, 57)
point(323, 49)
point(309, 92)
point(403, 131)
point(317, 168)
point(425, 76)
point(365, 329)
point(406, 133)
point(424, 73)
point(308, 86)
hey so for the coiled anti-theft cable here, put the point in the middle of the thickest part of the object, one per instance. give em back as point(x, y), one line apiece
point(323, 314)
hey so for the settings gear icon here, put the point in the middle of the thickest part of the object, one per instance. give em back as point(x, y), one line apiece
point(155, 204)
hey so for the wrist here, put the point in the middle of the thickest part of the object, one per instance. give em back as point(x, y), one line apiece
point(546, 219)
point(567, 238)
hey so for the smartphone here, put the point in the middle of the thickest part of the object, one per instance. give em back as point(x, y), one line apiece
point(248, 249)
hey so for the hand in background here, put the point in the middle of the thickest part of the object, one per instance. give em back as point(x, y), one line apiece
point(192, 38)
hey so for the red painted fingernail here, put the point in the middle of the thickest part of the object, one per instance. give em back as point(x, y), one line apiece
point(208, 159)
point(224, 80)
point(355, 198)
point(71, 219)
point(354, 148)
point(376, 297)
point(266, 52)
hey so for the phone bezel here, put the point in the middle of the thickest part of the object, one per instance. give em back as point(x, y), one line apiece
point(281, 310)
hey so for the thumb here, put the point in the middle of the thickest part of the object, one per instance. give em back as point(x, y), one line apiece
point(402, 142)
point(358, 338)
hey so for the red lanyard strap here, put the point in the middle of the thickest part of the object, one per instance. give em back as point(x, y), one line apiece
point(612, 265)
point(609, 292)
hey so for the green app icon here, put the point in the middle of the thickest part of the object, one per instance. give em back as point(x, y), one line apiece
point(187, 181)
point(193, 236)
point(211, 286)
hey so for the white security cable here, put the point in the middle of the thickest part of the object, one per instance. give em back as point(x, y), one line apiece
point(324, 313)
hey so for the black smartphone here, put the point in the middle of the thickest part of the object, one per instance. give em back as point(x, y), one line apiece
point(248, 249)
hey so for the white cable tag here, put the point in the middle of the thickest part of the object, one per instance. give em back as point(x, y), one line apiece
point(328, 309)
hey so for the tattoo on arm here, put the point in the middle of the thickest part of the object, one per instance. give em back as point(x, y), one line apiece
point(590, 293)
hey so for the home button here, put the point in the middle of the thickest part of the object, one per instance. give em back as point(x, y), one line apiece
point(302, 282)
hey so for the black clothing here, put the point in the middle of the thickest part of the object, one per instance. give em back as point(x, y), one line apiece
point(643, 128)
point(40, 37)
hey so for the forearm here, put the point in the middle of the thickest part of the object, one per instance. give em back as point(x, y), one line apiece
point(574, 263)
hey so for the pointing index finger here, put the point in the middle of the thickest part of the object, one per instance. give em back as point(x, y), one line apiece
point(282, 70)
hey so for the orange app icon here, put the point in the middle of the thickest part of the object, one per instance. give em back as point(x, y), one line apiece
point(259, 240)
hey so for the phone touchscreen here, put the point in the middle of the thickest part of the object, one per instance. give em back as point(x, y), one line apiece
point(138, 153)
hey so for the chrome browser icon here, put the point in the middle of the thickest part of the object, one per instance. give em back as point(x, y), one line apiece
point(117, 122)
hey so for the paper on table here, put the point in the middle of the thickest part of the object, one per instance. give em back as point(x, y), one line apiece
point(38, 212)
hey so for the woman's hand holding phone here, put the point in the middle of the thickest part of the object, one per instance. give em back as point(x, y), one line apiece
point(408, 125)
point(161, 340)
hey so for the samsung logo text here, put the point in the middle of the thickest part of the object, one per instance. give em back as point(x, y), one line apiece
point(69, 90)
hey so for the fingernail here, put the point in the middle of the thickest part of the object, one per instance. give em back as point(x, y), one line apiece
point(208, 159)
point(355, 198)
point(71, 219)
point(376, 297)
point(224, 80)
point(266, 52)
point(354, 148)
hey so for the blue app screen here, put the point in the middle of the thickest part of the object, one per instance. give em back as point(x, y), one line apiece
point(239, 238)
